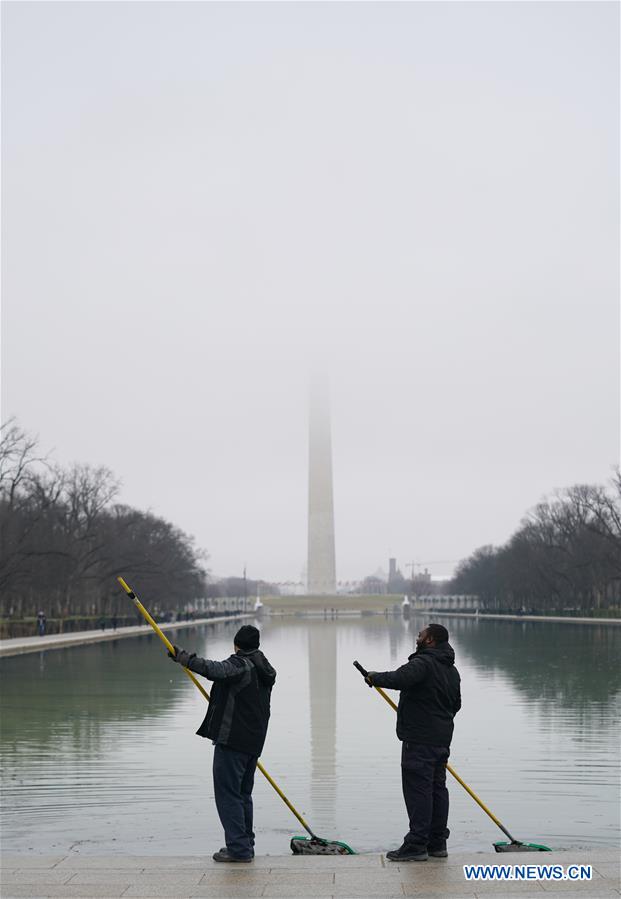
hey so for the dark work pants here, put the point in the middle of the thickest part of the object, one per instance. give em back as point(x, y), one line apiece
point(423, 776)
point(233, 779)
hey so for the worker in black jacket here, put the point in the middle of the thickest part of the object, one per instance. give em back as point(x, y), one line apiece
point(236, 722)
point(430, 698)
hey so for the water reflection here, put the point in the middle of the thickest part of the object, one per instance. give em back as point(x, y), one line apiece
point(568, 666)
point(322, 683)
point(396, 626)
point(78, 692)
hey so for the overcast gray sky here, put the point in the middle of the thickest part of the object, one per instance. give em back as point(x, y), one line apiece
point(203, 200)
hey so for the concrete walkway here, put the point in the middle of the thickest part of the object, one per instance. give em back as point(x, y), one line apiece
point(298, 877)
point(20, 645)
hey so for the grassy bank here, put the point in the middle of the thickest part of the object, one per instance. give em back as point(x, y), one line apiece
point(371, 603)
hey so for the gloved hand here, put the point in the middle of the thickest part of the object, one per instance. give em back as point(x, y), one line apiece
point(181, 656)
point(369, 678)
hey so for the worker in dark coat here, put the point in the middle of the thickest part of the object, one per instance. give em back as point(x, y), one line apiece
point(236, 722)
point(430, 698)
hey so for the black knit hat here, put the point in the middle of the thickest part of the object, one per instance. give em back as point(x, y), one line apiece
point(247, 637)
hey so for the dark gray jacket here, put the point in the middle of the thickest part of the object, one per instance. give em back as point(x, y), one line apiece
point(430, 695)
point(239, 708)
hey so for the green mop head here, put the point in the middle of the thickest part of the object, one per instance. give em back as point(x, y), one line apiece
point(521, 847)
point(306, 846)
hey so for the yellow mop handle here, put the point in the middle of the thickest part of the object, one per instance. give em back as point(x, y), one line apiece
point(171, 648)
point(455, 775)
point(162, 636)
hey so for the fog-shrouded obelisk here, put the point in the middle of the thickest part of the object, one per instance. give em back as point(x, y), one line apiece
point(321, 577)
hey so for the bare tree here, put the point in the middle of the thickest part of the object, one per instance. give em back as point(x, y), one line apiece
point(19, 458)
point(63, 540)
point(565, 554)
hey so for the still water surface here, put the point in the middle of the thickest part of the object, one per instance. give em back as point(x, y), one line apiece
point(100, 753)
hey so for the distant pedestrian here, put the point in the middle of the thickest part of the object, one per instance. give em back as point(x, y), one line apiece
point(430, 698)
point(114, 622)
point(236, 722)
point(41, 622)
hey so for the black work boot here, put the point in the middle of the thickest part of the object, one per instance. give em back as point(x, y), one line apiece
point(408, 852)
point(438, 851)
point(224, 849)
point(223, 855)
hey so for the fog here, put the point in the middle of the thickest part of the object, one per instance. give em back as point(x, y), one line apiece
point(204, 202)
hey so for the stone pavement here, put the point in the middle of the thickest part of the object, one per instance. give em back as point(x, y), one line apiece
point(298, 877)
point(15, 646)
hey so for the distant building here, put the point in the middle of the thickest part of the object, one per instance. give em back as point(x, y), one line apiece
point(396, 581)
point(424, 577)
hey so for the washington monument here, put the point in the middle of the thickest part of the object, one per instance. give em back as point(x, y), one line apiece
point(321, 565)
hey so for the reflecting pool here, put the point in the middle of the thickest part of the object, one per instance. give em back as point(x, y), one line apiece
point(100, 753)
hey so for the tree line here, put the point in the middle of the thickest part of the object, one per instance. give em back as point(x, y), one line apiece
point(565, 555)
point(64, 538)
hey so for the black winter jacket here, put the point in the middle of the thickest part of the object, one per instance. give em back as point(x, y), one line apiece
point(430, 695)
point(239, 708)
